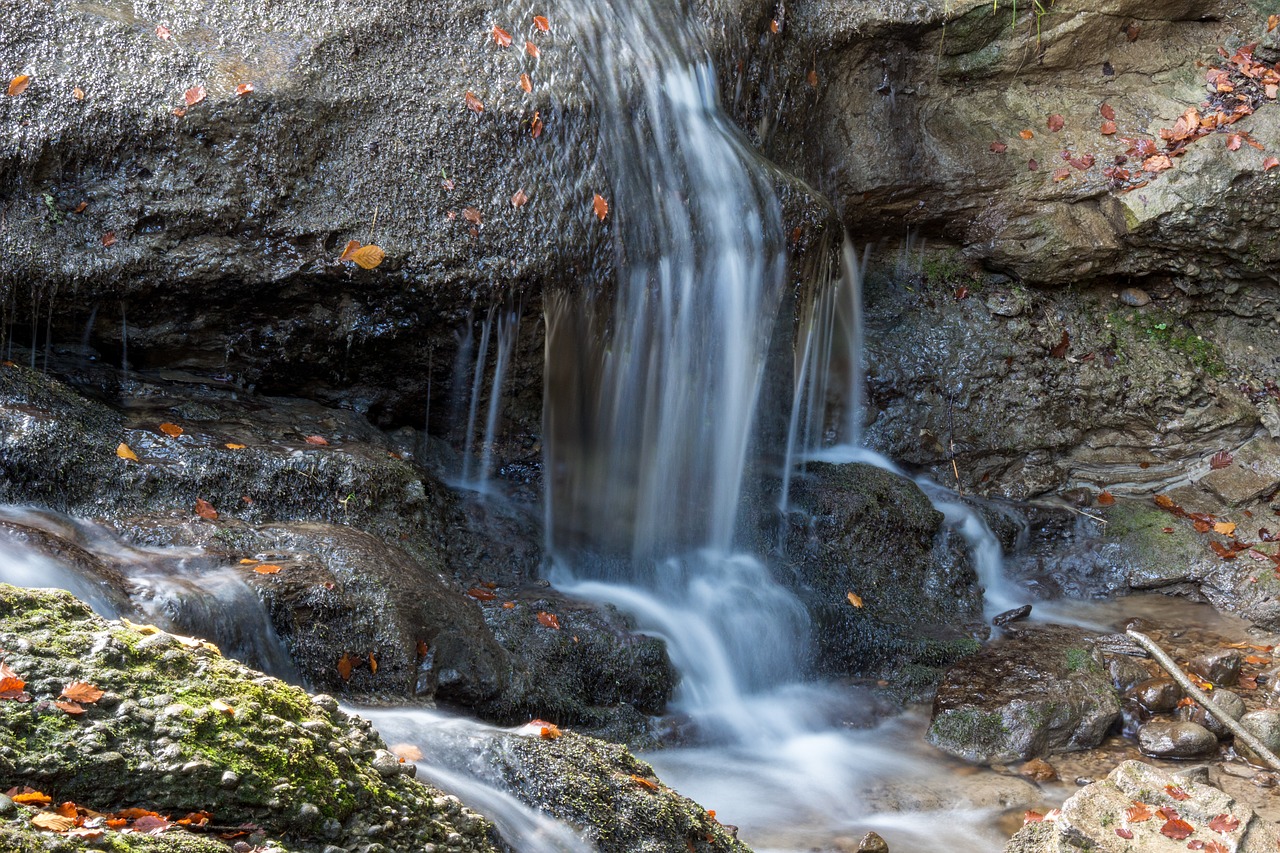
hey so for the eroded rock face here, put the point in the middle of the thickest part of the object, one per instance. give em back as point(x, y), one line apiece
point(1038, 691)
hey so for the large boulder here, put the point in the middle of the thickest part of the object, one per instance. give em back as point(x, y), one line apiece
point(857, 529)
point(1125, 813)
point(180, 729)
point(1036, 692)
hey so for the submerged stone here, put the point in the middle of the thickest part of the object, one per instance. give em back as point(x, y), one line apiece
point(1176, 739)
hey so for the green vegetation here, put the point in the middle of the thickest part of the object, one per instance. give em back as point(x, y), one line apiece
point(970, 726)
point(1169, 333)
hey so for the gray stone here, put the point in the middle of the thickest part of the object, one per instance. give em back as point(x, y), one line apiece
point(1223, 700)
point(1220, 667)
point(1165, 739)
point(386, 763)
point(7, 806)
point(1265, 726)
point(1254, 471)
point(1134, 297)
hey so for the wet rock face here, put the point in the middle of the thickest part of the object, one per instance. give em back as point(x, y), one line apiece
point(226, 222)
point(861, 530)
point(1096, 817)
point(1034, 693)
point(911, 98)
point(1165, 739)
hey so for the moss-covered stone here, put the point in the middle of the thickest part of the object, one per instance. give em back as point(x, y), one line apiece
point(181, 729)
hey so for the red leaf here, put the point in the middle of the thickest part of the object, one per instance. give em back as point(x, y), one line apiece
point(481, 594)
point(1107, 112)
point(473, 103)
point(1061, 174)
point(1105, 498)
point(194, 95)
point(317, 440)
point(1083, 162)
point(205, 510)
point(244, 89)
point(1270, 163)
point(548, 620)
point(1060, 350)
point(600, 206)
point(1056, 123)
point(1197, 844)
point(1176, 792)
point(72, 708)
point(526, 83)
point(1215, 847)
point(1157, 163)
point(1032, 165)
point(1177, 829)
point(1124, 833)
point(501, 36)
point(1138, 812)
point(1222, 551)
point(541, 23)
point(532, 49)
point(1031, 816)
point(1224, 823)
point(1221, 459)
point(999, 147)
point(1168, 812)
point(1108, 127)
point(472, 215)
point(519, 199)
point(81, 691)
point(345, 664)
point(535, 126)
point(151, 824)
point(109, 239)
point(1234, 141)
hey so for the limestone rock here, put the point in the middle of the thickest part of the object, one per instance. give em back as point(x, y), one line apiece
point(1254, 471)
point(1095, 817)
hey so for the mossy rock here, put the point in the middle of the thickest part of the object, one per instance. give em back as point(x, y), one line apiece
point(182, 729)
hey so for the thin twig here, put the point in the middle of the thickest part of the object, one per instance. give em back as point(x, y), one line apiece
point(1096, 518)
point(1241, 733)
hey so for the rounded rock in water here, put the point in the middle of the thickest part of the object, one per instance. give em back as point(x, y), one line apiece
point(1161, 739)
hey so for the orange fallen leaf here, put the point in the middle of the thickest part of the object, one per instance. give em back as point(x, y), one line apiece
point(368, 257)
point(601, 206)
point(1177, 829)
point(267, 569)
point(545, 26)
point(535, 126)
point(205, 510)
point(82, 691)
point(123, 451)
point(195, 819)
point(501, 37)
point(179, 111)
point(473, 103)
point(32, 798)
point(223, 707)
point(1032, 816)
point(1176, 792)
point(1108, 127)
point(1138, 812)
point(481, 594)
point(472, 215)
point(163, 32)
point(52, 822)
point(243, 89)
point(194, 95)
point(519, 199)
point(812, 77)
point(134, 813)
point(1157, 163)
point(373, 664)
point(19, 84)
point(116, 822)
point(532, 49)
point(345, 664)
point(231, 445)
point(1226, 528)
point(775, 26)
point(72, 708)
point(1234, 141)
point(171, 430)
point(317, 440)
point(1224, 823)
point(77, 93)
point(549, 620)
point(550, 731)
point(1026, 134)
point(526, 83)
point(508, 605)
point(644, 783)
point(1107, 112)
point(1270, 163)
point(854, 599)
point(1257, 659)
point(1105, 498)
point(349, 250)
point(109, 239)
point(67, 809)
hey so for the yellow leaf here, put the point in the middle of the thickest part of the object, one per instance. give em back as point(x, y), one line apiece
point(1226, 528)
point(124, 452)
point(219, 705)
point(854, 599)
point(19, 84)
point(349, 250)
point(171, 430)
point(144, 630)
point(32, 798)
point(54, 822)
point(267, 569)
point(368, 257)
point(231, 445)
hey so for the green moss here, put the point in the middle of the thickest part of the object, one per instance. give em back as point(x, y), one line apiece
point(1168, 333)
point(983, 730)
point(1079, 660)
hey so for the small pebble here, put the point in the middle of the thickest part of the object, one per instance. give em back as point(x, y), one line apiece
point(1134, 296)
point(873, 843)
